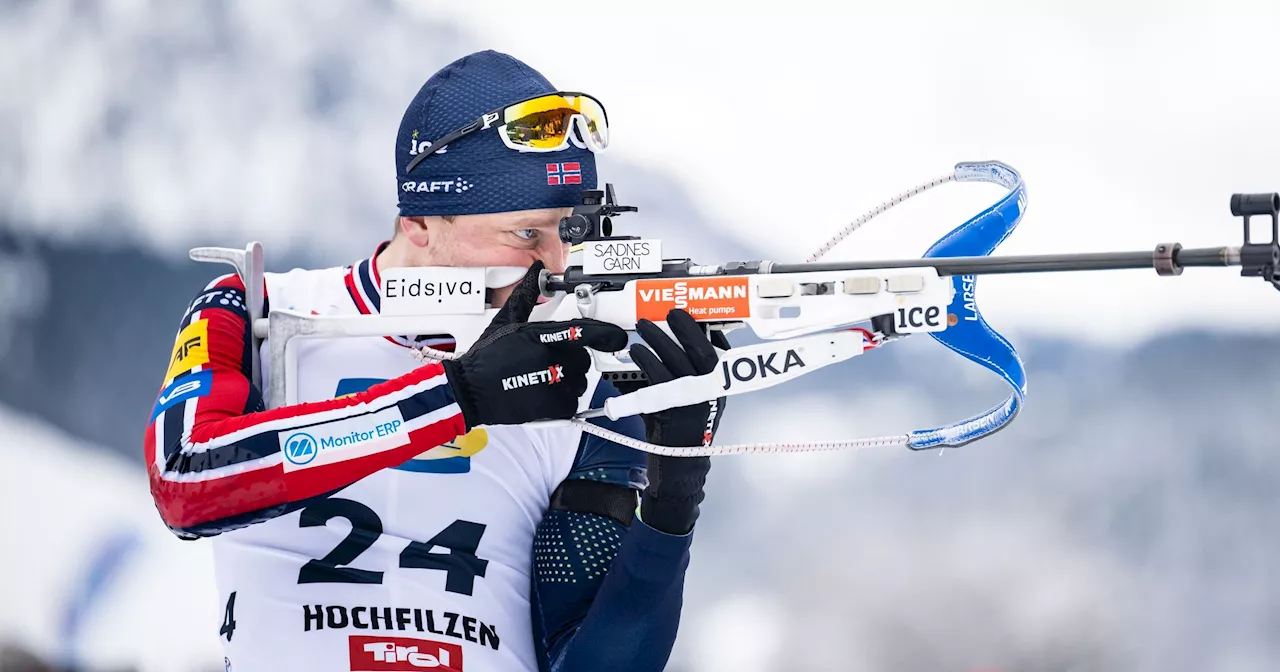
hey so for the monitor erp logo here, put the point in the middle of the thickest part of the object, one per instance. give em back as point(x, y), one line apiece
point(300, 448)
point(453, 457)
point(344, 439)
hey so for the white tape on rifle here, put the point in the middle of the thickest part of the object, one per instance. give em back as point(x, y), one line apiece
point(741, 370)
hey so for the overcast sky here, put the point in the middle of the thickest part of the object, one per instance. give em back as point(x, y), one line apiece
point(1132, 123)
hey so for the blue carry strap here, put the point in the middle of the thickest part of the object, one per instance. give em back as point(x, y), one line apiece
point(971, 336)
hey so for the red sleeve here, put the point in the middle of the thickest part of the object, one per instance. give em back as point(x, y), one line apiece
point(217, 460)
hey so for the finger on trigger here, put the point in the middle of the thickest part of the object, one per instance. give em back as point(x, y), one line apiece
point(694, 340)
point(673, 357)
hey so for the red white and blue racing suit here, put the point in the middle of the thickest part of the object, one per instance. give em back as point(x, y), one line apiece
point(365, 529)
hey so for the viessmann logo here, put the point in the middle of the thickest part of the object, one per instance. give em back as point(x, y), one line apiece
point(702, 298)
point(402, 654)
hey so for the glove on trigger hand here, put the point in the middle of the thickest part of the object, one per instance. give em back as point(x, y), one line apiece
point(670, 503)
point(520, 372)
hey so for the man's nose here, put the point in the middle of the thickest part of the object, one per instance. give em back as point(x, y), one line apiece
point(555, 256)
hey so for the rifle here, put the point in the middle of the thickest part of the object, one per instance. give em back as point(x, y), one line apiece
point(809, 315)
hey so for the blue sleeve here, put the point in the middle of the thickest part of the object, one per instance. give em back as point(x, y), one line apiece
point(607, 596)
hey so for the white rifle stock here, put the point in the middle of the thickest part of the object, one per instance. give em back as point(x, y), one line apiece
point(283, 328)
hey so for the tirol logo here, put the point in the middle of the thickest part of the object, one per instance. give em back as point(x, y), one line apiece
point(550, 375)
point(402, 654)
point(702, 298)
point(747, 369)
point(570, 334)
point(300, 448)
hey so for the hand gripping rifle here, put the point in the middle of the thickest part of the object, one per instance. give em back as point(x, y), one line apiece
point(808, 315)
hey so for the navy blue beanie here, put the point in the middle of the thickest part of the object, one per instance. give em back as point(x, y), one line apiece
point(478, 173)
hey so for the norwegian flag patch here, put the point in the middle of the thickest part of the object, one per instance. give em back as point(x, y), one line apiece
point(569, 172)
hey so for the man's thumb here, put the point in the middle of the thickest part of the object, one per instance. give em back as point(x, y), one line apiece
point(522, 300)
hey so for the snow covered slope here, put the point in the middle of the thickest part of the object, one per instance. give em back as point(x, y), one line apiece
point(92, 575)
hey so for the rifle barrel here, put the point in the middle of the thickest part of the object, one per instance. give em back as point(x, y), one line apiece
point(1033, 263)
point(1165, 259)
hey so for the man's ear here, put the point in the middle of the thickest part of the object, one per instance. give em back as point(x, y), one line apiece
point(416, 230)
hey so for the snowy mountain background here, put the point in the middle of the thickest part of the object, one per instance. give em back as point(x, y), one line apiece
point(1123, 522)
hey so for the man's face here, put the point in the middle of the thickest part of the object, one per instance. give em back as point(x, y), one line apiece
point(499, 239)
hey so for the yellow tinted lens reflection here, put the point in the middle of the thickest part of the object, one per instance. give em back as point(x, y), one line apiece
point(544, 130)
point(544, 122)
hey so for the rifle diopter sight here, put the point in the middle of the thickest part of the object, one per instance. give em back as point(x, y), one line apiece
point(592, 219)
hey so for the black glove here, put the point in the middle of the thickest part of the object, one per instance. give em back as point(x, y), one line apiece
point(519, 372)
point(670, 503)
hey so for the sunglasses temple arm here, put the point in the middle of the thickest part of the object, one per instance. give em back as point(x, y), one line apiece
point(443, 142)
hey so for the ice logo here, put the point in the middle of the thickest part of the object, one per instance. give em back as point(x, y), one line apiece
point(300, 448)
